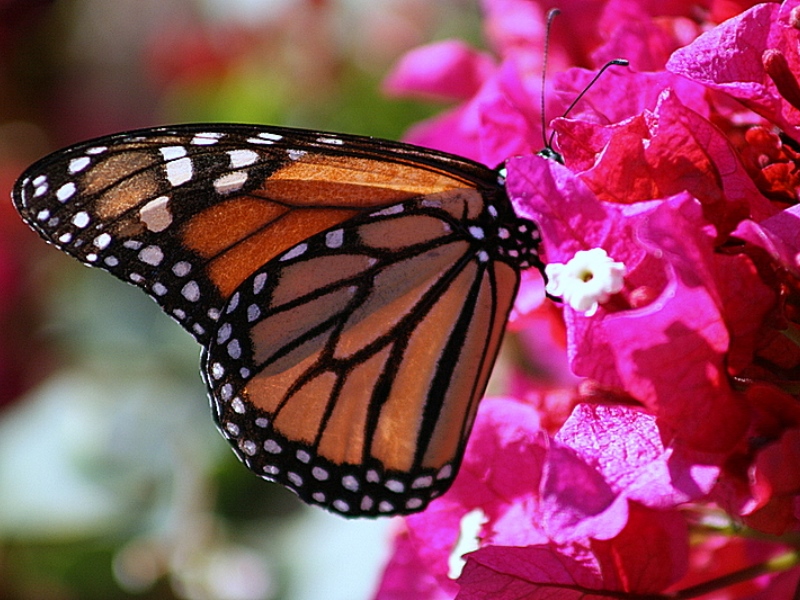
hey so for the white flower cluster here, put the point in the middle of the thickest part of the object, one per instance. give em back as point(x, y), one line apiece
point(587, 280)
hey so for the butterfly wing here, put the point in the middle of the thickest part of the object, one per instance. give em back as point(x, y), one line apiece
point(187, 213)
point(350, 368)
point(350, 294)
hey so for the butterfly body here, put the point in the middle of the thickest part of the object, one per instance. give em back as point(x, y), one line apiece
point(350, 294)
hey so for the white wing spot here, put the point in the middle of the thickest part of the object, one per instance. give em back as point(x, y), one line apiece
point(372, 476)
point(76, 165)
point(253, 312)
point(413, 503)
point(483, 256)
point(233, 303)
point(111, 261)
point(258, 283)
point(132, 244)
point(318, 496)
point(81, 219)
point(102, 241)
point(303, 456)
point(422, 482)
point(181, 268)
point(477, 232)
point(40, 188)
point(335, 238)
point(65, 238)
point(136, 277)
point(179, 171)
point(66, 191)
point(272, 447)
point(226, 392)
point(341, 505)
point(295, 154)
point(97, 150)
point(330, 140)
point(262, 422)
point(230, 182)
point(91, 257)
point(43, 215)
point(217, 371)
point(265, 137)
point(232, 428)
point(151, 255)
point(366, 503)
point(294, 478)
point(156, 214)
point(191, 291)
point(172, 152)
point(298, 250)
point(350, 483)
point(234, 349)
point(238, 406)
point(207, 138)
point(271, 469)
point(445, 472)
point(242, 158)
point(224, 333)
point(393, 485)
point(248, 447)
point(320, 474)
point(391, 210)
point(159, 289)
point(385, 506)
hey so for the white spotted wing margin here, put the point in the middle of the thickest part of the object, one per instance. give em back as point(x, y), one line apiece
point(350, 368)
point(121, 202)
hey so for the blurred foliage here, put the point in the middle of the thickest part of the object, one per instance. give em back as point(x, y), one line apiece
point(113, 480)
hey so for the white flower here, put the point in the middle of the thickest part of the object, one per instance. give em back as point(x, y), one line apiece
point(587, 280)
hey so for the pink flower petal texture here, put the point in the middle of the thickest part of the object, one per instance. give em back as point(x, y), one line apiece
point(449, 70)
point(752, 57)
point(659, 353)
point(599, 570)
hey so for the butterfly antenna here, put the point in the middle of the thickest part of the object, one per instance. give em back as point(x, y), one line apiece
point(615, 62)
point(551, 15)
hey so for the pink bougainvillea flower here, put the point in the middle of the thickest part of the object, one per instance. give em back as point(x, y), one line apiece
point(448, 70)
point(661, 153)
point(621, 564)
point(754, 58)
point(576, 489)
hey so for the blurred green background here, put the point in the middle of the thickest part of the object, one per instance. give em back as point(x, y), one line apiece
point(114, 482)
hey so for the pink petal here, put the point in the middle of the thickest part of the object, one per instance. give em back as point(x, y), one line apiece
point(661, 154)
point(738, 57)
point(622, 93)
point(625, 446)
point(449, 70)
point(405, 577)
point(506, 573)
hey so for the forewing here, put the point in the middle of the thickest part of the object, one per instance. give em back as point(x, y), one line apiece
point(187, 213)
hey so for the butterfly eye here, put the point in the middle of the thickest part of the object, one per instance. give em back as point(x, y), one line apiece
point(350, 294)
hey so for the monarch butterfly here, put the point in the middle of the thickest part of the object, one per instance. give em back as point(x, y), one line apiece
point(350, 294)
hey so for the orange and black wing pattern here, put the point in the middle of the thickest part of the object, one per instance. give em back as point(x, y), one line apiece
point(350, 293)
